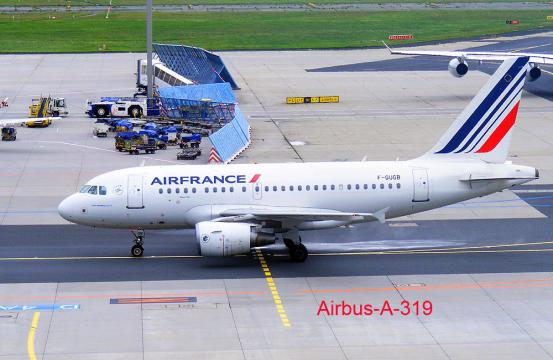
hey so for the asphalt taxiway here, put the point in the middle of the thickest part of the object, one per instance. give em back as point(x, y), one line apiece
point(71, 292)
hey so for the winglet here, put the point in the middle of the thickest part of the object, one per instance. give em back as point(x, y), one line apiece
point(387, 47)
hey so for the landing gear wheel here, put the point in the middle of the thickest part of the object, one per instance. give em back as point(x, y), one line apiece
point(298, 253)
point(137, 250)
point(289, 243)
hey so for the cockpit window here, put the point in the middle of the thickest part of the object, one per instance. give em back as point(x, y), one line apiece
point(84, 189)
point(93, 190)
point(102, 190)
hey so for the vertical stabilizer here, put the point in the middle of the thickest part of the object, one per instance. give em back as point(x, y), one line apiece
point(483, 130)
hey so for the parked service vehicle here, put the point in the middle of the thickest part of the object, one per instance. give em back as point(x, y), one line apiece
point(141, 142)
point(121, 107)
point(190, 140)
point(48, 106)
point(9, 134)
point(40, 122)
point(100, 129)
point(189, 154)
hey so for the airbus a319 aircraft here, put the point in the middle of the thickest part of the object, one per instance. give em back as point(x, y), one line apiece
point(236, 207)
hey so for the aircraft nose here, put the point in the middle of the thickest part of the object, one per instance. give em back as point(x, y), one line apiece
point(68, 208)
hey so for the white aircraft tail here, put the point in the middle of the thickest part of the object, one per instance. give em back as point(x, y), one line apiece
point(483, 130)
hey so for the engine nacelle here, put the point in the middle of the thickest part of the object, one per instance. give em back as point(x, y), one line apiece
point(458, 68)
point(227, 239)
point(533, 73)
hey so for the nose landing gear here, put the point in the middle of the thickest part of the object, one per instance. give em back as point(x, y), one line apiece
point(137, 250)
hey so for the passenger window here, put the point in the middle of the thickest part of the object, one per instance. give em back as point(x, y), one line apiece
point(398, 185)
point(366, 186)
point(214, 189)
point(324, 187)
point(194, 190)
point(102, 190)
point(223, 189)
point(256, 188)
point(177, 190)
point(185, 190)
point(332, 187)
point(161, 191)
point(349, 187)
point(374, 186)
point(243, 189)
point(168, 190)
point(299, 187)
point(390, 186)
point(356, 186)
point(231, 189)
point(316, 187)
point(341, 187)
point(85, 189)
point(266, 188)
point(291, 187)
point(206, 189)
point(382, 186)
point(307, 187)
point(275, 188)
point(93, 190)
point(283, 188)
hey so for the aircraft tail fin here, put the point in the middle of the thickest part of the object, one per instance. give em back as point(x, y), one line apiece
point(483, 130)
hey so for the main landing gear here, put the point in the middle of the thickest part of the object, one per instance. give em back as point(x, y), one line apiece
point(298, 252)
point(137, 250)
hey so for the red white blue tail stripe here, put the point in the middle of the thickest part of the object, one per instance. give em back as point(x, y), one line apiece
point(491, 114)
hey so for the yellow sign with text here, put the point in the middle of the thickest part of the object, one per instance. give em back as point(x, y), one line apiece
point(312, 99)
point(550, 17)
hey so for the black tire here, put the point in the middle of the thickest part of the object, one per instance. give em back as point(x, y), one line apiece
point(298, 253)
point(137, 251)
point(289, 243)
point(135, 112)
point(101, 111)
point(55, 113)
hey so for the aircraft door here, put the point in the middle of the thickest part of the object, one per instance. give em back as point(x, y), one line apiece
point(257, 191)
point(135, 197)
point(420, 185)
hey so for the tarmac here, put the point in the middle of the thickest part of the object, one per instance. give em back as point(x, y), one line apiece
point(71, 292)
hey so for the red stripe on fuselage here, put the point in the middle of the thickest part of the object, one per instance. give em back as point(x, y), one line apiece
point(255, 178)
point(500, 132)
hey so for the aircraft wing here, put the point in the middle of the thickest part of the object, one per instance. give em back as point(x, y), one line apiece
point(296, 215)
point(22, 122)
point(545, 59)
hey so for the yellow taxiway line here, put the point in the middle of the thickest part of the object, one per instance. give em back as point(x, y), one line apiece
point(31, 336)
point(273, 289)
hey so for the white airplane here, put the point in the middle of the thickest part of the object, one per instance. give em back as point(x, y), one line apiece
point(458, 65)
point(236, 207)
point(26, 121)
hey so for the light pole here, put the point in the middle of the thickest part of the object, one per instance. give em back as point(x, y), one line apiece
point(149, 67)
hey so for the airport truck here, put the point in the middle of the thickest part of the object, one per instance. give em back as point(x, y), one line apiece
point(122, 107)
point(48, 106)
point(9, 134)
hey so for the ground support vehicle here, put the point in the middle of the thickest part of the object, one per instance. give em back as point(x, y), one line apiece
point(189, 154)
point(48, 106)
point(100, 129)
point(139, 143)
point(190, 140)
point(9, 134)
point(42, 122)
point(122, 107)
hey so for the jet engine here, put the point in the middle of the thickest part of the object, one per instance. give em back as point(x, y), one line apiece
point(227, 239)
point(458, 67)
point(533, 73)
